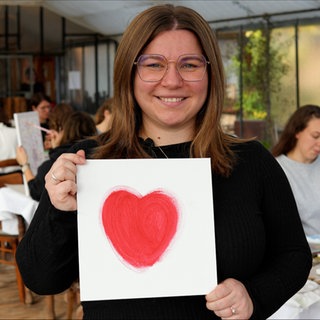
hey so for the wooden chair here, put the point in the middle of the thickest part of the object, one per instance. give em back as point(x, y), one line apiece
point(73, 301)
point(10, 178)
point(8, 247)
point(8, 163)
point(8, 242)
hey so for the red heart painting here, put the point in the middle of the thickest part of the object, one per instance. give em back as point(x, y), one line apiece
point(140, 228)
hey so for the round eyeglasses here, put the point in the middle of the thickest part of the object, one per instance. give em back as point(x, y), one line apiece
point(153, 67)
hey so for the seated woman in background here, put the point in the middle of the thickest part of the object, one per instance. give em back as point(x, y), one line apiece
point(58, 115)
point(103, 116)
point(298, 151)
point(73, 127)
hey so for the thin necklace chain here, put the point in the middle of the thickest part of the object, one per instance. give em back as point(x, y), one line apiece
point(162, 152)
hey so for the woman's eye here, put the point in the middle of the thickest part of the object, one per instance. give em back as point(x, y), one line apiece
point(155, 65)
point(189, 66)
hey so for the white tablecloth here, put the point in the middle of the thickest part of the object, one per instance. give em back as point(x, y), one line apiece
point(290, 312)
point(13, 202)
point(305, 304)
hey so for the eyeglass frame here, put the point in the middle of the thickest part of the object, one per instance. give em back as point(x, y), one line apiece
point(206, 62)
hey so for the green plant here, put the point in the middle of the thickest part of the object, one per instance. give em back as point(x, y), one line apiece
point(262, 69)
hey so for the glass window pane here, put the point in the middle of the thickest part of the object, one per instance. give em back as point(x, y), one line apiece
point(283, 100)
point(309, 64)
point(89, 86)
point(229, 48)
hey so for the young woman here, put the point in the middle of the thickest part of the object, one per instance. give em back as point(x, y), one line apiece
point(298, 152)
point(168, 99)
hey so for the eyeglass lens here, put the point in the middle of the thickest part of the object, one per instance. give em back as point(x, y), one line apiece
point(152, 68)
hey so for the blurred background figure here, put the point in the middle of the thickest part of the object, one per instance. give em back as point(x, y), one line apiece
point(58, 116)
point(41, 104)
point(103, 116)
point(8, 142)
point(69, 129)
point(298, 151)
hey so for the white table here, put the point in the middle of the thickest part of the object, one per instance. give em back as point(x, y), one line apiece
point(306, 303)
point(289, 312)
point(13, 201)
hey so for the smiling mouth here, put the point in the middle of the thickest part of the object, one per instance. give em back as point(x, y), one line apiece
point(171, 99)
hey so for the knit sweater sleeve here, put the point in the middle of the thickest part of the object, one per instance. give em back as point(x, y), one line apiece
point(36, 185)
point(284, 266)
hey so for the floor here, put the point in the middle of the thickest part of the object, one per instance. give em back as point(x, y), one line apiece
point(12, 308)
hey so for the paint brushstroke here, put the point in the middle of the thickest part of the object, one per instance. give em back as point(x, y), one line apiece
point(140, 228)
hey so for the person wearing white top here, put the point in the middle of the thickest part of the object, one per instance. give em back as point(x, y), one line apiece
point(298, 151)
point(8, 143)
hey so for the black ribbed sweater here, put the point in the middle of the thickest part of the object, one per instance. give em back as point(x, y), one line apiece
point(259, 241)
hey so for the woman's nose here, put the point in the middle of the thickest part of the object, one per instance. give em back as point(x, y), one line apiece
point(172, 76)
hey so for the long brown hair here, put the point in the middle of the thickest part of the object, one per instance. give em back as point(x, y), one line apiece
point(297, 122)
point(99, 115)
point(78, 126)
point(209, 140)
point(59, 115)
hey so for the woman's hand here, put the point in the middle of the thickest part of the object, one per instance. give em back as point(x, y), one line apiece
point(230, 300)
point(21, 156)
point(55, 138)
point(61, 180)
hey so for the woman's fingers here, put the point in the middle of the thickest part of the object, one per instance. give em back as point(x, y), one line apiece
point(230, 300)
point(61, 180)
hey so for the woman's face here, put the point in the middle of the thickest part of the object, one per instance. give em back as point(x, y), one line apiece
point(43, 109)
point(308, 141)
point(172, 103)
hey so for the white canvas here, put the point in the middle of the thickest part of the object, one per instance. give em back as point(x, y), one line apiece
point(29, 136)
point(188, 264)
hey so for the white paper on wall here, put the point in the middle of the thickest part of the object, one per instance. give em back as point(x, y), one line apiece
point(74, 80)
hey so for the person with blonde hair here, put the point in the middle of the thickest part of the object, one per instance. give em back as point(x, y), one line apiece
point(168, 98)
